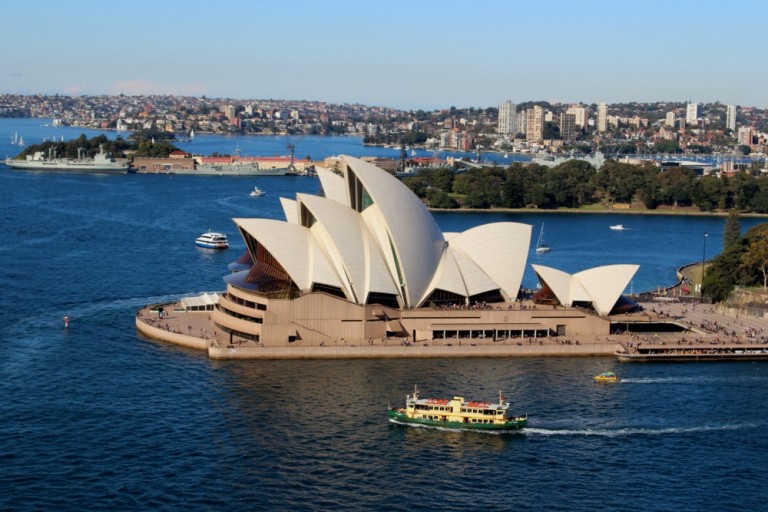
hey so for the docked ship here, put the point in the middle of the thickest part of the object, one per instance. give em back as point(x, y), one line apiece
point(235, 168)
point(657, 352)
point(102, 162)
point(456, 413)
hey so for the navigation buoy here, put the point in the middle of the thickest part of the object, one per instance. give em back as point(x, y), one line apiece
point(66, 322)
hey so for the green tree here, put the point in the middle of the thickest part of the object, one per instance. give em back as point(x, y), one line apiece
point(667, 146)
point(708, 192)
point(513, 189)
point(675, 186)
point(441, 199)
point(731, 231)
point(756, 256)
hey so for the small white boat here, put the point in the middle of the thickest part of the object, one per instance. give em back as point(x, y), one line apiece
point(256, 192)
point(541, 247)
point(212, 240)
point(617, 227)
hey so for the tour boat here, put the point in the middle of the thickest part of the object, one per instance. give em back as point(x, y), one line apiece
point(607, 377)
point(617, 227)
point(256, 192)
point(212, 240)
point(456, 413)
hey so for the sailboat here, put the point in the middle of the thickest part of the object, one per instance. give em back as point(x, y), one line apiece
point(541, 247)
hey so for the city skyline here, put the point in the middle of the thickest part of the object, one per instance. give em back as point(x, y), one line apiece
point(398, 55)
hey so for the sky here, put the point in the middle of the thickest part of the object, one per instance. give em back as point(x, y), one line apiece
point(402, 54)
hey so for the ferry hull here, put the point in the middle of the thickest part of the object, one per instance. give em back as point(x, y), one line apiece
point(211, 246)
point(66, 167)
point(510, 424)
point(233, 170)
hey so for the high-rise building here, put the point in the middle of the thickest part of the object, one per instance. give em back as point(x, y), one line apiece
point(602, 118)
point(568, 126)
point(730, 118)
point(229, 111)
point(507, 118)
point(522, 122)
point(670, 120)
point(692, 114)
point(745, 135)
point(580, 114)
point(535, 130)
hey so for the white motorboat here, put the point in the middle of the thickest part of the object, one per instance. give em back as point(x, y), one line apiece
point(617, 227)
point(256, 192)
point(212, 240)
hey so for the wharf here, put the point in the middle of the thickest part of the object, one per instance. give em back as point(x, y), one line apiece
point(691, 351)
point(713, 334)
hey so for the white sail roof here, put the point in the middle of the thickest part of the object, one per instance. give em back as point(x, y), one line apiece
point(606, 284)
point(333, 185)
point(448, 277)
point(413, 236)
point(500, 249)
point(371, 235)
point(353, 255)
point(290, 210)
point(601, 286)
point(295, 248)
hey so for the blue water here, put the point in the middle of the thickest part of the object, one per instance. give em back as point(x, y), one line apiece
point(99, 418)
point(35, 131)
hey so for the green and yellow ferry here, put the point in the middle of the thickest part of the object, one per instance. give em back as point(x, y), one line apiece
point(456, 413)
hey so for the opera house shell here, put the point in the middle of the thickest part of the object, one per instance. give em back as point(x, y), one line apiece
point(599, 288)
point(368, 261)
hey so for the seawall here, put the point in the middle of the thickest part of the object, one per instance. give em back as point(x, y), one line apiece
point(414, 351)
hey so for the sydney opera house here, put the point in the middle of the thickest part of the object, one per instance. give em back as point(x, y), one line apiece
point(367, 262)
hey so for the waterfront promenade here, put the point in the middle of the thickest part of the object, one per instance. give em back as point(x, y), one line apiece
point(195, 330)
point(705, 323)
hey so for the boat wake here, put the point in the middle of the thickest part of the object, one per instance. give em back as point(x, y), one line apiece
point(690, 380)
point(78, 312)
point(635, 431)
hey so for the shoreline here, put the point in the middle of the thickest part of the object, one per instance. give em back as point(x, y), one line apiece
point(674, 213)
point(704, 324)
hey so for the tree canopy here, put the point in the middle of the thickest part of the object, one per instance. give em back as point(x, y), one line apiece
point(576, 183)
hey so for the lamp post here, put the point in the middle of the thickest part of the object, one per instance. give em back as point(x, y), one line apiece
point(703, 259)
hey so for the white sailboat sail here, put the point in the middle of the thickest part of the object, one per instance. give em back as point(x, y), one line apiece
point(540, 245)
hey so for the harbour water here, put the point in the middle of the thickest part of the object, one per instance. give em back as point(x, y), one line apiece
point(96, 417)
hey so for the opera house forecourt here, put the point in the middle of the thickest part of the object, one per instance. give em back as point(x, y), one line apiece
point(365, 271)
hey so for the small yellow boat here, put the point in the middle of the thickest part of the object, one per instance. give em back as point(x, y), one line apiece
point(607, 377)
